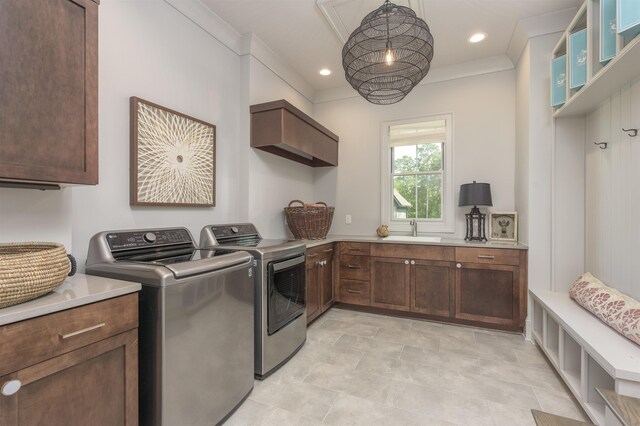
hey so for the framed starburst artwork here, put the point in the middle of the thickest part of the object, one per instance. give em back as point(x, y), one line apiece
point(172, 157)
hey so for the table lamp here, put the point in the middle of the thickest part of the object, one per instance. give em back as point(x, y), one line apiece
point(475, 194)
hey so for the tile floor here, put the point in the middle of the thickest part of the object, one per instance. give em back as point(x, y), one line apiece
point(365, 369)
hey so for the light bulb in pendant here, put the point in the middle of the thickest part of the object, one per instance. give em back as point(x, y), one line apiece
point(389, 57)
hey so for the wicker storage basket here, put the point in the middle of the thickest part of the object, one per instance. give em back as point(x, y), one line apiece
point(29, 270)
point(309, 222)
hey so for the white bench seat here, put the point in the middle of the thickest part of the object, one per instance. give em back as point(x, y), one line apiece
point(586, 352)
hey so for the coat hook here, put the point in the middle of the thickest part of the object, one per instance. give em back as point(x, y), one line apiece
point(632, 132)
point(601, 145)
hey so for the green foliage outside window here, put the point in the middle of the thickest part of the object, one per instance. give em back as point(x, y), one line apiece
point(417, 177)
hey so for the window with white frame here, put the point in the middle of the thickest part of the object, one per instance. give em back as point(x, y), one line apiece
point(417, 174)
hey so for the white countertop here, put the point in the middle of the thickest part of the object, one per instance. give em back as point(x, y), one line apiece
point(77, 290)
point(444, 242)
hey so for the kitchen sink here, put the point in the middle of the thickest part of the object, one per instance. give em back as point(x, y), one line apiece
point(409, 239)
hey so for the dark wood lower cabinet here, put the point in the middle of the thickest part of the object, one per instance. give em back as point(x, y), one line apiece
point(97, 384)
point(327, 290)
point(320, 282)
point(390, 283)
point(432, 288)
point(313, 290)
point(74, 367)
point(484, 287)
point(488, 293)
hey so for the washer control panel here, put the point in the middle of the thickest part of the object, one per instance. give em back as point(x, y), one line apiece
point(137, 239)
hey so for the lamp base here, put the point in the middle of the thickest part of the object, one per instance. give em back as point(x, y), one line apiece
point(475, 225)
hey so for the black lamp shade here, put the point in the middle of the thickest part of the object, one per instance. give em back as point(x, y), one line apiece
point(475, 194)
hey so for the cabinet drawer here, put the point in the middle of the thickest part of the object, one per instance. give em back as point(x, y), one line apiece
point(355, 292)
point(354, 267)
point(412, 251)
point(28, 342)
point(488, 256)
point(319, 252)
point(358, 249)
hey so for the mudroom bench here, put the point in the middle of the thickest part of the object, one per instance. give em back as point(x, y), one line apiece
point(586, 352)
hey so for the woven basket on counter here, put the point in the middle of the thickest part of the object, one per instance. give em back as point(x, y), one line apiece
point(309, 222)
point(30, 270)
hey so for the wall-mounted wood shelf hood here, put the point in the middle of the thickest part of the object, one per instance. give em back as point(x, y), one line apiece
point(282, 129)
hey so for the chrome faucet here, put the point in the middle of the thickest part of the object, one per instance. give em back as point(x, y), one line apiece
point(414, 227)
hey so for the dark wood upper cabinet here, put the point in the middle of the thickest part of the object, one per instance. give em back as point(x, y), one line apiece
point(282, 129)
point(49, 91)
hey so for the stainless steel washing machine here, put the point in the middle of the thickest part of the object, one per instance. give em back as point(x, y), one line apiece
point(196, 335)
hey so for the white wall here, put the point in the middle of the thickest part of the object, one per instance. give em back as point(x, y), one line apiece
point(483, 110)
point(32, 215)
point(274, 181)
point(523, 142)
point(612, 192)
point(148, 49)
point(534, 156)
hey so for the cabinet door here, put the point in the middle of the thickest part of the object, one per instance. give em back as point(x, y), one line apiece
point(327, 291)
point(49, 90)
point(432, 287)
point(313, 290)
point(488, 293)
point(94, 385)
point(390, 283)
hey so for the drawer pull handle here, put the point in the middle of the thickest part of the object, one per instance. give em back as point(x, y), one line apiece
point(84, 330)
point(486, 256)
point(353, 291)
point(327, 250)
point(312, 255)
point(353, 266)
point(11, 387)
point(459, 265)
point(406, 262)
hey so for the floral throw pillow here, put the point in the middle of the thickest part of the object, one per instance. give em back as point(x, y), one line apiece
point(617, 310)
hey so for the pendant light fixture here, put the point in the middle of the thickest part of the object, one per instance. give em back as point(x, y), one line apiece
point(388, 54)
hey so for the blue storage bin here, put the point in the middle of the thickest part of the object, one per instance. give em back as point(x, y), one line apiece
point(608, 30)
point(578, 59)
point(558, 81)
point(629, 17)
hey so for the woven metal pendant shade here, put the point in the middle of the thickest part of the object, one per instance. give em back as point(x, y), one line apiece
point(363, 55)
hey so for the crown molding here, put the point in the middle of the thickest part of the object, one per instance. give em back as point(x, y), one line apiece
point(241, 44)
point(537, 26)
point(436, 75)
point(330, 13)
point(254, 46)
point(209, 21)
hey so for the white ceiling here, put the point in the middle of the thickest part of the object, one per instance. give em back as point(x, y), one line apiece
point(299, 32)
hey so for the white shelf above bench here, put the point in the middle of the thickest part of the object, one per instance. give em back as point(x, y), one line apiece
point(587, 353)
point(620, 71)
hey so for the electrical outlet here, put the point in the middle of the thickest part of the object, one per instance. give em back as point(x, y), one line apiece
point(347, 219)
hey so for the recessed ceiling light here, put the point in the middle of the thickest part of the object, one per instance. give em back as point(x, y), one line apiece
point(477, 37)
point(325, 71)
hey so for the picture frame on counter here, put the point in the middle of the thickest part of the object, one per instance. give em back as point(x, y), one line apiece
point(172, 157)
point(503, 227)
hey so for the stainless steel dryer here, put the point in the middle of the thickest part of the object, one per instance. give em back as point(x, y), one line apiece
point(280, 317)
point(196, 332)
